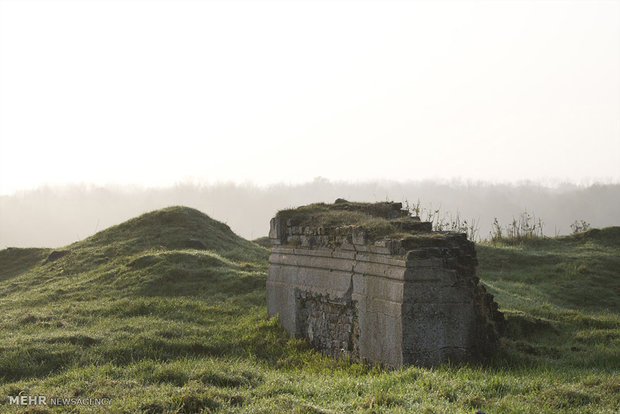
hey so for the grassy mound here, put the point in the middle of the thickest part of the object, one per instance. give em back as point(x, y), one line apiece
point(166, 314)
point(580, 271)
point(173, 228)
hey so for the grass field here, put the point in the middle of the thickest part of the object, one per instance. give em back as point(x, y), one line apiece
point(166, 313)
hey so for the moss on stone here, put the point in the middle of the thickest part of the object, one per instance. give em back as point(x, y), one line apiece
point(377, 220)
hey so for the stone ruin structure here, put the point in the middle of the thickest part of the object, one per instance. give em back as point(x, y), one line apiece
point(409, 297)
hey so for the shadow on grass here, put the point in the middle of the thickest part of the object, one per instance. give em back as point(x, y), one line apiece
point(15, 261)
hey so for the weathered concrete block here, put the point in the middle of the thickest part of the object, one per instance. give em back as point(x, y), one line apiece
point(390, 301)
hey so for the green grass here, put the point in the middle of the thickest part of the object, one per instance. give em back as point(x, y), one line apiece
point(378, 220)
point(135, 315)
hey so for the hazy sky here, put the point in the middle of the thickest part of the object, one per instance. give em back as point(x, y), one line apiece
point(156, 92)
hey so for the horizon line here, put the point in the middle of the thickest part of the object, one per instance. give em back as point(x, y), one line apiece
point(553, 183)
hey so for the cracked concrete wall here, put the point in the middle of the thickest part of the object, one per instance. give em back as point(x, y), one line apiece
point(389, 302)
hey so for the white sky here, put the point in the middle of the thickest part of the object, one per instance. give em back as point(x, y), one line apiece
point(156, 92)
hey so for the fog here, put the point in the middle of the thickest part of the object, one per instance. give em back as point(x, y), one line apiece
point(56, 216)
point(159, 92)
point(269, 91)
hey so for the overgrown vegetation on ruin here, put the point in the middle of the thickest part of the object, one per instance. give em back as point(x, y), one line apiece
point(377, 219)
point(144, 314)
